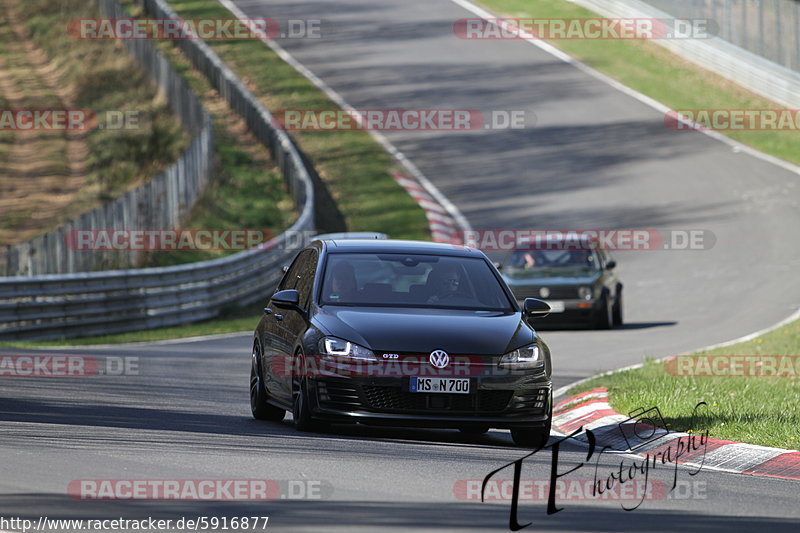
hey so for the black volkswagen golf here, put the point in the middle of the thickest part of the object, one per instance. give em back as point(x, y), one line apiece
point(401, 333)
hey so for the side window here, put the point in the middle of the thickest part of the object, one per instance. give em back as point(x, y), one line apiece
point(289, 280)
point(306, 282)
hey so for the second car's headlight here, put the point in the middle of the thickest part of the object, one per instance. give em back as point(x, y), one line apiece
point(529, 356)
point(335, 347)
point(585, 293)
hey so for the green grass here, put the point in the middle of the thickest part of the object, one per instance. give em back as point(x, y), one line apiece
point(104, 78)
point(352, 165)
point(756, 410)
point(657, 73)
point(247, 190)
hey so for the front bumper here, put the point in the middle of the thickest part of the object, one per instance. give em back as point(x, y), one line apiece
point(507, 402)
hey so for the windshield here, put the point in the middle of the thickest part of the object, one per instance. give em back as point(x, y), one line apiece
point(529, 263)
point(410, 280)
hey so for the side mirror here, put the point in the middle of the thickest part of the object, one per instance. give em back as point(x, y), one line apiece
point(611, 264)
point(535, 308)
point(288, 299)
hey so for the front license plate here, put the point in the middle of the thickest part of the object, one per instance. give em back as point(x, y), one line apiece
point(443, 385)
point(556, 306)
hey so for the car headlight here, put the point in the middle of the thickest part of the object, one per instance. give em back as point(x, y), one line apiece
point(529, 356)
point(585, 293)
point(335, 347)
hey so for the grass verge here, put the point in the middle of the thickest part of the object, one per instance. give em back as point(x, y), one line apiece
point(212, 327)
point(353, 166)
point(652, 70)
point(247, 192)
point(55, 176)
point(756, 410)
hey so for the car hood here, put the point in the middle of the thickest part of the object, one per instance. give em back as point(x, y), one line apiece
point(551, 281)
point(424, 330)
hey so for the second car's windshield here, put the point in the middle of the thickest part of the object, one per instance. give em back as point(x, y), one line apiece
point(542, 261)
point(412, 280)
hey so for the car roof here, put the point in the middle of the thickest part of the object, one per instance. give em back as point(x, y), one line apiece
point(400, 247)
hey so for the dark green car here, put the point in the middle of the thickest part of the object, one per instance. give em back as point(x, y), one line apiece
point(581, 285)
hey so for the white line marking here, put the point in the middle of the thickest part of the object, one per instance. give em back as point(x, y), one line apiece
point(655, 104)
point(410, 167)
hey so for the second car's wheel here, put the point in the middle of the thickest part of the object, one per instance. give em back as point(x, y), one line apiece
point(258, 395)
point(616, 311)
point(604, 315)
point(473, 430)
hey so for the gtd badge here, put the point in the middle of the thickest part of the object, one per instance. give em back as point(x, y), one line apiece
point(439, 358)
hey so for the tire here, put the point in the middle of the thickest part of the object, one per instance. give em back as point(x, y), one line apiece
point(301, 407)
point(604, 318)
point(474, 430)
point(616, 311)
point(533, 437)
point(261, 409)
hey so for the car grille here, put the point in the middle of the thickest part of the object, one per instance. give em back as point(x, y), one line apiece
point(556, 293)
point(396, 399)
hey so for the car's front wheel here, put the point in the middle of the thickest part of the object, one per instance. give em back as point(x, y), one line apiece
point(534, 437)
point(301, 407)
point(617, 309)
point(603, 318)
point(261, 409)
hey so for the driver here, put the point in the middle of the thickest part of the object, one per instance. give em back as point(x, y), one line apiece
point(343, 282)
point(444, 284)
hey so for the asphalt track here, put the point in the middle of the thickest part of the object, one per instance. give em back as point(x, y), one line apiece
point(595, 158)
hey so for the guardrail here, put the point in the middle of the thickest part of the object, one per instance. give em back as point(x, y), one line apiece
point(93, 303)
point(767, 78)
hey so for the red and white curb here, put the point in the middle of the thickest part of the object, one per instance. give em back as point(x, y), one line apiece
point(444, 227)
point(592, 411)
